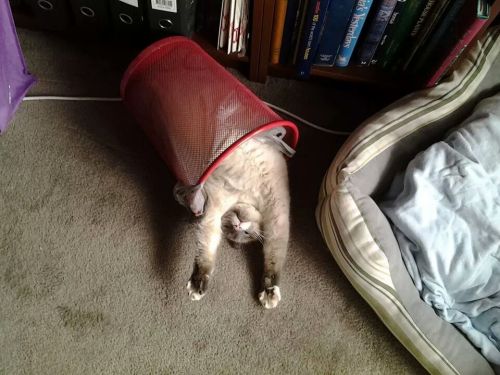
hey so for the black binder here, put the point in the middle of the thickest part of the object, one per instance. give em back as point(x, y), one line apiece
point(128, 16)
point(50, 14)
point(91, 16)
point(172, 16)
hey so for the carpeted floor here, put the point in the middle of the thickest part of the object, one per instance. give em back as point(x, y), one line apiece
point(95, 254)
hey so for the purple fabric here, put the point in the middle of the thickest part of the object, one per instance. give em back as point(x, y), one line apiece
point(15, 80)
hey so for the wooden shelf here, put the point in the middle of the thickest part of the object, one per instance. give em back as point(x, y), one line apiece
point(349, 74)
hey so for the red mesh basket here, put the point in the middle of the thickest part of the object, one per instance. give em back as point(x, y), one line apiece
point(193, 110)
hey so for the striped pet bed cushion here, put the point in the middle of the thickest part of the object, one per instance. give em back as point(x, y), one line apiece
point(359, 235)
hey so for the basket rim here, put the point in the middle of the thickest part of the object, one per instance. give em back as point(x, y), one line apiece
point(288, 125)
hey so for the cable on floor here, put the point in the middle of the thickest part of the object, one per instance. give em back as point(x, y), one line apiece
point(115, 99)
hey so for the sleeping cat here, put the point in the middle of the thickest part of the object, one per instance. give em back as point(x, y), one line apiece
point(252, 180)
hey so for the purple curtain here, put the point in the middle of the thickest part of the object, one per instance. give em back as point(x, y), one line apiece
point(15, 80)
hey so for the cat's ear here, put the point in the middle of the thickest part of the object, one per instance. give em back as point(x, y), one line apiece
point(191, 197)
point(197, 200)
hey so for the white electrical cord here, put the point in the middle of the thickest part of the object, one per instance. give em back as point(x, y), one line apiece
point(73, 98)
point(102, 99)
point(305, 122)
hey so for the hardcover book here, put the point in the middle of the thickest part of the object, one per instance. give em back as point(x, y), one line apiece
point(389, 31)
point(354, 28)
point(473, 17)
point(334, 28)
point(425, 30)
point(400, 33)
point(375, 31)
point(309, 41)
point(438, 38)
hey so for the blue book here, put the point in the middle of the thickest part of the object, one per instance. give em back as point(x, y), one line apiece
point(375, 31)
point(309, 41)
point(356, 23)
point(337, 18)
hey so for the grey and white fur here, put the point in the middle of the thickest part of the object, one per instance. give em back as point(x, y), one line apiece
point(253, 180)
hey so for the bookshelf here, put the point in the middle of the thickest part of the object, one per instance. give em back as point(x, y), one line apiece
point(260, 67)
point(257, 67)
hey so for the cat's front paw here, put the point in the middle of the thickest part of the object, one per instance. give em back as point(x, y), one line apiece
point(270, 297)
point(197, 287)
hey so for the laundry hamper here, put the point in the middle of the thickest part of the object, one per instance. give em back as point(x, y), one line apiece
point(193, 110)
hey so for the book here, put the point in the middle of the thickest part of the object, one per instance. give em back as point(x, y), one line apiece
point(400, 33)
point(278, 26)
point(292, 20)
point(435, 43)
point(309, 40)
point(424, 31)
point(298, 30)
point(375, 31)
point(473, 17)
point(230, 27)
point(334, 28)
point(223, 24)
point(243, 35)
point(238, 5)
point(389, 31)
point(355, 25)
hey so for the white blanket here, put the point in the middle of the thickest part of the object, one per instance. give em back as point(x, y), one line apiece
point(445, 211)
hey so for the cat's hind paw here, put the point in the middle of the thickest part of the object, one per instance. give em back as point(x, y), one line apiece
point(270, 297)
point(197, 287)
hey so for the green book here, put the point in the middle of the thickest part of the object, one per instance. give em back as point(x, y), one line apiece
point(401, 32)
point(425, 31)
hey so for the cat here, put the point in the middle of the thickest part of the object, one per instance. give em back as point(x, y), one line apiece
point(254, 174)
point(242, 224)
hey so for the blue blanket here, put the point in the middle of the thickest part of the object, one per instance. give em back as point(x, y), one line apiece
point(445, 211)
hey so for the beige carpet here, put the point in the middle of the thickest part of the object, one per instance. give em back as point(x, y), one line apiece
point(95, 254)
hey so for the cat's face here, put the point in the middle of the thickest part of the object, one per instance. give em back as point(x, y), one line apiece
point(242, 224)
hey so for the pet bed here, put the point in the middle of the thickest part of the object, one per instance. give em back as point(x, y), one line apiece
point(359, 235)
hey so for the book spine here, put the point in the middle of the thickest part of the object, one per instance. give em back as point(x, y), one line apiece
point(298, 30)
point(375, 31)
point(401, 33)
point(456, 51)
point(242, 42)
point(415, 30)
point(277, 35)
point(334, 28)
point(426, 11)
point(430, 50)
point(230, 29)
point(291, 21)
point(223, 25)
point(310, 36)
point(389, 31)
point(237, 26)
point(358, 18)
point(426, 29)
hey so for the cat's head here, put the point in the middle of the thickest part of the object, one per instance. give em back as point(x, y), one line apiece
point(242, 224)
